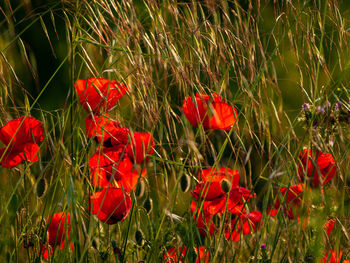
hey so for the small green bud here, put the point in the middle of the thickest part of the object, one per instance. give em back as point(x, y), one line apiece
point(139, 238)
point(41, 187)
point(140, 189)
point(225, 185)
point(148, 204)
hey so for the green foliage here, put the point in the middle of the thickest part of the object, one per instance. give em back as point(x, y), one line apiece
point(266, 58)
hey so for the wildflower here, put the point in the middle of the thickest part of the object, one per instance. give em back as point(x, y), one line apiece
point(338, 105)
point(316, 165)
point(142, 144)
point(210, 180)
point(20, 137)
point(111, 205)
point(244, 223)
point(211, 111)
point(306, 106)
point(204, 220)
point(334, 257)
point(174, 254)
point(96, 94)
point(59, 229)
point(106, 130)
point(177, 255)
point(45, 252)
point(292, 200)
point(113, 163)
point(210, 192)
point(329, 225)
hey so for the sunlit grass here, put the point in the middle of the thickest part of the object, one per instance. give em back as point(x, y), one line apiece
point(264, 58)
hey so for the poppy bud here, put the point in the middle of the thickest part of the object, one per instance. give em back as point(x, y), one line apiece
point(139, 238)
point(148, 204)
point(225, 185)
point(41, 187)
point(185, 183)
point(140, 189)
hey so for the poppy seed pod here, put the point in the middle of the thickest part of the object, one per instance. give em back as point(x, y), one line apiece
point(41, 187)
point(139, 238)
point(148, 204)
point(185, 183)
point(140, 189)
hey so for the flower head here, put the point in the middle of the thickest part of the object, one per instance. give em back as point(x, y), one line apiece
point(243, 224)
point(292, 200)
point(334, 257)
point(111, 205)
point(177, 255)
point(318, 166)
point(211, 111)
point(142, 144)
point(59, 229)
point(111, 166)
point(105, 130)
point(20, 137)
point(99, 94)
point(212, 196)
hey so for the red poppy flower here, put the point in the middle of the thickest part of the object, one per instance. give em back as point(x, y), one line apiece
point(211, 111)
point(99, 94)
point(325, 167)
point(142, 144)
point(111, 205)
point(335, 257)
point(174, 255)
point(177, 255)
point(45, 252)
point(204, 221)
point(59, 229)
point(106, 130)
point(238, 197)
point(292, 199)
point(210, 180)
point(243, 223)
point(329, 225)
point(202, 255)
point(110, 162)
point(20, 137)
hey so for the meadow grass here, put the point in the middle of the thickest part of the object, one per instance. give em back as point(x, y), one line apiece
point(265, 58)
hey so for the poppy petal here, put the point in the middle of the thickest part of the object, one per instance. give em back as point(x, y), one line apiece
point(111, 205)
point(142, 144)
point(98, 94)
point(224, 116)
point(12, 158)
